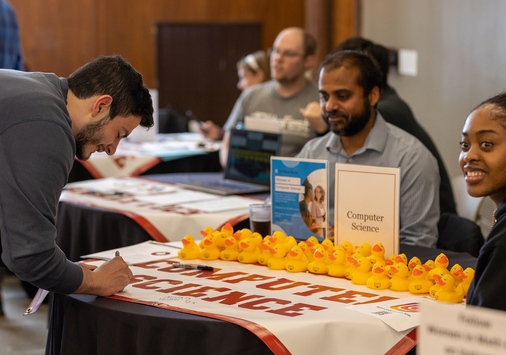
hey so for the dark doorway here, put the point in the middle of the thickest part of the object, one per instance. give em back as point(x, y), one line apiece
point(197, 66)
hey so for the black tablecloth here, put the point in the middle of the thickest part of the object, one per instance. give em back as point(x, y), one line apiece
point(83, 324)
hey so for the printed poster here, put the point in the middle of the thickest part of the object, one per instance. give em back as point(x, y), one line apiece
point(299, 193)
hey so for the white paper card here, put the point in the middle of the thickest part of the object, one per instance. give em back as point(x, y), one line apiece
point(139, 253)
point(445, 329)
point(367, 205)
point(400, 314)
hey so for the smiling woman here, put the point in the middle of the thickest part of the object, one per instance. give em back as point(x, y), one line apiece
point(483, 162)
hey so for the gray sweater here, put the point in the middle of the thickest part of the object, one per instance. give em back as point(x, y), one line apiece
point(37, 150)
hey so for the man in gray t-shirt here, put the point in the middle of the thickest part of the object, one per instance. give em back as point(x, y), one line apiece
point(279, 101)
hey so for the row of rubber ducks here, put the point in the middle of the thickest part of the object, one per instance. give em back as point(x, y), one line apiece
point(363, 264)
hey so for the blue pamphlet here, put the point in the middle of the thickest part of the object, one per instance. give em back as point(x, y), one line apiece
point(299, 193)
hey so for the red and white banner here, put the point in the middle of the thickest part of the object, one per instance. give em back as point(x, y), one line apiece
point(293, 313)
point(162, 209)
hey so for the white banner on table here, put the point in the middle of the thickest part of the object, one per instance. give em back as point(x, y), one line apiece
point(308, 314)
point(164, 215)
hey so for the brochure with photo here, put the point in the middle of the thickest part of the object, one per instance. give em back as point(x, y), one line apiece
point(299, 193)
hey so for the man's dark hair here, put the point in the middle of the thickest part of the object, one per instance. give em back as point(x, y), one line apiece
point(309, 44)
point(380, 53)
point(112, 75)
point(369, 73)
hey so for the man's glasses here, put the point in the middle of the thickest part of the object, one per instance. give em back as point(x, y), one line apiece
point(286, 54)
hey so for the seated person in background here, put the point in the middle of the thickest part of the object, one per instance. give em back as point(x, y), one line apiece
point(350, 84)
point(281, 99)
point(395, 111)
point(251, 70)
point(483, 162)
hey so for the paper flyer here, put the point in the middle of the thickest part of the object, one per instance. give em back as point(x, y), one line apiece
point(299, 193)
point(400, 314)
point(447, 328)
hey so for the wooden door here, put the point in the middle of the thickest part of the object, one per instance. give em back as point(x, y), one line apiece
point(197, 69)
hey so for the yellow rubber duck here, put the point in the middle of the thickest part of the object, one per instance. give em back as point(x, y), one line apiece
point(456, 270)
point(328, 245)
point(441, 263)
point(277, 237)
point(227, 229)
point(219, 239)
point(401, 258)
point(337, 263)
point(377, 253)
point(250, 250)
point(209, 250)
point(448, 292)
point(207, 230)
point(436, 287)
point(365, 249)
point(243, 234)
point(378, 279)
point(319, 263)
point(389, 261)
point(289, 243)
point(419, 283)
point(429, 265)
point(277, 260)
point(190, 249)
point(467, 276)
point(305, 248)
point(414, 261)
point(231, 251)
point(348, 247)
point(363, 270)
point(400, 279)
point(296, 260)
point(350, 265)
point(265, 251)
point(312, 242)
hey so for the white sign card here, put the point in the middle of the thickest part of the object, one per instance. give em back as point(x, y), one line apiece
point(367, 205)
point(453, 329)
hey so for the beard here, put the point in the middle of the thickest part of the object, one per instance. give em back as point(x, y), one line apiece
point(353, 123)
point(90, 134)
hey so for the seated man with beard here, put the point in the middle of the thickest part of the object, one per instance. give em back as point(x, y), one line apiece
point(350, 85)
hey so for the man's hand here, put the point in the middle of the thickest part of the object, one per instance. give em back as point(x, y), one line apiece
point(111, 277)
point(313, 114)
point(210, 130)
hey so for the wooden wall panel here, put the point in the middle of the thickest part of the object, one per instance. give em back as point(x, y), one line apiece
point(345, 20)
point(57, 36)
point(61, 35)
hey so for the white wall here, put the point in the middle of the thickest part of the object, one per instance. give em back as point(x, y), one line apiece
point(461, 47)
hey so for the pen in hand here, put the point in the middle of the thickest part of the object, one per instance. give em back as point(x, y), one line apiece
point(116, 253)
point(194, 267)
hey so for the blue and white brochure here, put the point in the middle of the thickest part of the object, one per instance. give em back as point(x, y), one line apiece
point(299, 194)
